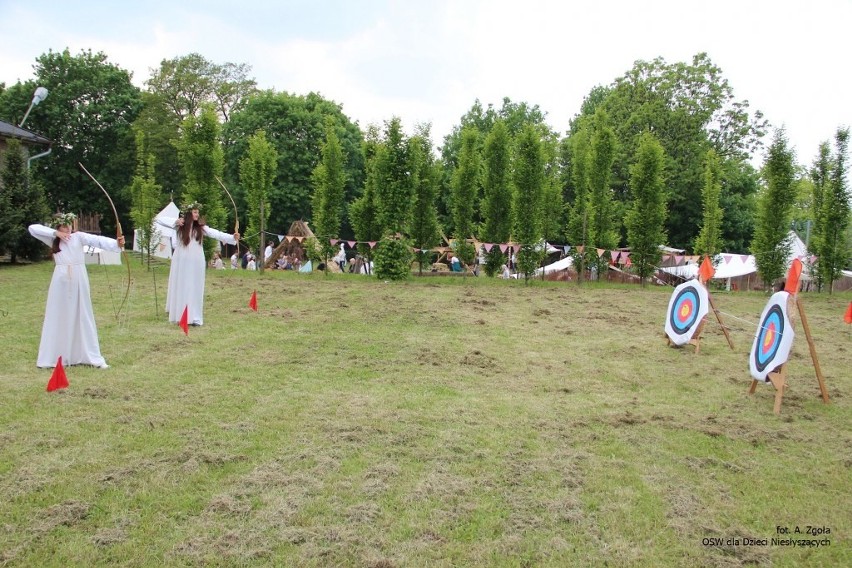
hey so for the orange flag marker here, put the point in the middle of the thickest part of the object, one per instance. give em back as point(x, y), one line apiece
point(706, 271)
point(58, 380)
point(253, 301)
point(184, 321)
point(792, 284)
point(848, 317)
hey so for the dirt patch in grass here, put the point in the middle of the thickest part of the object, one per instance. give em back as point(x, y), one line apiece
point(477, 358)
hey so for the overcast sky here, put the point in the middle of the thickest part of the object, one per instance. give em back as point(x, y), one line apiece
point(429, 60)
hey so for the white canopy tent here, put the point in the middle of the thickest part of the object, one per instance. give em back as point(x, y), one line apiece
point(163, 243)
point(730, 265)
point(95, 255)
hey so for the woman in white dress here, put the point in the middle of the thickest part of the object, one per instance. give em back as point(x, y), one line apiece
point(69, 328)
point(187, 273)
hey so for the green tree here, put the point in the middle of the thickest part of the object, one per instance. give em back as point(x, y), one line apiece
point(201, 157)
point(528, 177)
point(834, 249)
point(425, 177)
point(88, 115)
point(709, 241)
point(184, 84)
point(580, 230)
point(646, 219)
point(601, 157)
point(363, 212)
point(394, 198)
point(691, 108)
point(295, 125)
point(329, 180)
point(771, 243)
point(497, 194)
point(257, 172)
point(465, 186)
point(514, 115)
point(146, 195)
point(820, 181)
point(22, 202)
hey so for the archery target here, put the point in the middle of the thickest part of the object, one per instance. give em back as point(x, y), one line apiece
point(687, 307)
point(774, 338)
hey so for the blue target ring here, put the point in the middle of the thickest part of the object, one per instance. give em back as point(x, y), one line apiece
point(769, 338)
point(685, 309)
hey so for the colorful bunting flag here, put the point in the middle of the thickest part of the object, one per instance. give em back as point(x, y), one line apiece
point(333, 241)
point(58, 380)
point(488, 247)
point(726, 258)
point(352, 244)
point(614, 255)
point(372, 244)
point(600, 252)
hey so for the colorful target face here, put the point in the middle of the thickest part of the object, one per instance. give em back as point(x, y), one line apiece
point(774, 338)
point(687, 307)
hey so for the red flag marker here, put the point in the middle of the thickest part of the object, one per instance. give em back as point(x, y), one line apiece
point(184, 321)
point(58, 380)
point(253, 301)
point(848, 317)
point(792, 284)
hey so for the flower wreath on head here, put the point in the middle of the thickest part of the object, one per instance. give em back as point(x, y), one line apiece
point(62, 219)
point(191, 205)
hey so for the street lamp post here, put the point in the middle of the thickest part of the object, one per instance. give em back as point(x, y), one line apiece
point(39, 95)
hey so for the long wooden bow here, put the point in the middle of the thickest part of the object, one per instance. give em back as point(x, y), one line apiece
point(236, 215)
point(118, 235)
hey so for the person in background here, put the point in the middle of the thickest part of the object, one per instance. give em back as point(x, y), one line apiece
point(217, 261)
point(267, 252)
point(187, 272)
point(69, 328)
point(340, 258)
point(252, 263)
point(235, 260)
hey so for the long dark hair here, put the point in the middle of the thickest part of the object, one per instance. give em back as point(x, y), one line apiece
point(191, 229)
point(55, 248)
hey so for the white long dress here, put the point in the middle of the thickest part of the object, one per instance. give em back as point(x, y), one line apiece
point(187, 273)
point(69, 326)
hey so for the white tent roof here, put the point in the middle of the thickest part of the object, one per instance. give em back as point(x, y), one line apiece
point(163, 248)
point(563, 264)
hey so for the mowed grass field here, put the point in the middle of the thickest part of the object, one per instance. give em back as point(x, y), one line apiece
point(435, 422)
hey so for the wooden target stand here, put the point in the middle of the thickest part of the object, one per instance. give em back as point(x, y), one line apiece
point(778, 377)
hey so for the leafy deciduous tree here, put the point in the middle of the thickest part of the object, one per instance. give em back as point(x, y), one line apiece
point(709, 241)
point(646, 219)
point(465, 194)
point(146, 195)
point(22, 202)
point(425, 177)
point(329, 180)
point(834, 250)
point(497, 194)
point(771, 243)
point(201, 157)
point(528, 177)
point(257, 172)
